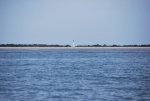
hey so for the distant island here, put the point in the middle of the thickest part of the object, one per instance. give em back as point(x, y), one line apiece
point(45, 45)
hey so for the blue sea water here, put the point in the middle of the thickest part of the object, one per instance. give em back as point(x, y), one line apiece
point(75, 74)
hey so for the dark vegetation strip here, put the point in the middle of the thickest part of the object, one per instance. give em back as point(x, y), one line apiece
point(45, 45)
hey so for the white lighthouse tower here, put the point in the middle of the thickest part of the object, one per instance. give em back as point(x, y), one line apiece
point(73, 45)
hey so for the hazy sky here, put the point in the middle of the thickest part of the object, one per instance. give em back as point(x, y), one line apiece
point(85, 21)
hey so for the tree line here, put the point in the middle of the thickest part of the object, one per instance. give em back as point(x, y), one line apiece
point(32, 45)
point(45, 45)
point(97, 45)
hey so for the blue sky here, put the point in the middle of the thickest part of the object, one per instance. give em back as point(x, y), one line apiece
point(85, 21)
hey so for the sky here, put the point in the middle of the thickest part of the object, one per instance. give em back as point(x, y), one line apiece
point(90, 22)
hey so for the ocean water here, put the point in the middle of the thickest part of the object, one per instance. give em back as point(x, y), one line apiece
point(75, 74)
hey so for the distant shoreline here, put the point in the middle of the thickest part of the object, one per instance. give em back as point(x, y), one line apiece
point(57, 45)
point(74, 47)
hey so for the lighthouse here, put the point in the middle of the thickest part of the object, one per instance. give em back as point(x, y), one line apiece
point(73, 44)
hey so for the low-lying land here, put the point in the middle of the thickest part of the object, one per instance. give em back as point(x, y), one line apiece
point(101, 48)
point(45, 45)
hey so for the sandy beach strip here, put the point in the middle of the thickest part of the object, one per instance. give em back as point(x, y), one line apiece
point(74, 48)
